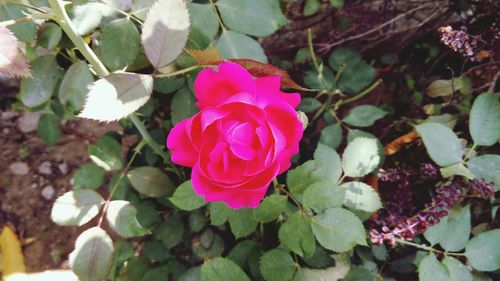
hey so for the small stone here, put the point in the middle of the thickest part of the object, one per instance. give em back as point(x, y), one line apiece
point(45, 168)
point(29, 122)
point(7, 115)
point(5, 131)
point(33, 186)
point(63, 168)
point(19, 168)
point(48, 192)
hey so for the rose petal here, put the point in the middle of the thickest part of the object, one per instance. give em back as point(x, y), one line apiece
point(178, 141)
point(268, 91)
point(212, 88)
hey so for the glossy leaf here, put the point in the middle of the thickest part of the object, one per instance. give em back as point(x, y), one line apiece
point(441, 142)
point(234, 45)
point(277, 265)
point(151, 181)
point(116, 96)
point(296, 234)
point(360, 196)
point(76, 207)
point(38, 89)
point(185, 198)
point(92, 258)
point(165, 31)
point(215, 269)
point(360, 157)
point(271, 208)
point(483, 251)
point(115, 35)
point(121, 216)
point(484, 123)
point(364, 115)
point(76, 85)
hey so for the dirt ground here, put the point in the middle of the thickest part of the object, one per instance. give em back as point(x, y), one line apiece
point(33, 175)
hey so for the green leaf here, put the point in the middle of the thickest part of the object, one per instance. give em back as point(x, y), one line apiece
point(338, 230)
point(241, 252)
point(48, 128)
point(115, 35)
point(483, 251)
point(87, 17)
point(486, 167)
point(151, 181)
point(183, 105)
point(271, 208)
point(277, 265)
point(147, 214)
point(436, 233)
point(24, 30)
point(165, 31)
point(155, 251)
point(356, 74)
point(204, 25)
point(337, 3)
point(168, 85)
point(222, 269)
point(38, 89)
point(106, 153)
point(241, 222)
point(456, 270)
point(311, 7)
point(456, 169)
point(141, 7)
point(219, 213)
point(252, 17)
point(157, 274)
point(356, 77)
point(458, 229)
point(334, 273)
point(331, 135)
point(360, 196)
point(234, 45)
point(300, 178)
point(210, 245)
point(92, 258)
point(364, 115)
point(309, 105)
point(484, 124)
point(361, 157)
point(75, 85)
point(76, 207)
point(430, 269)
point(327, 166)
point(88, 176)
point(321, 196)
point(185, 198)
point(50, 35)
point(315, 81)
point(442, 144)
point(170, 232)
point(296, 234)
point(345, 56)
point(192, 274)
point(359, 273)
point(121, 216)
point(353, 134)
point(117, 95)
point(443, 88)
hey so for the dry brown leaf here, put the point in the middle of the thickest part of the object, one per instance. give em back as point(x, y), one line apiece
point(259, 69)
point(400, 142)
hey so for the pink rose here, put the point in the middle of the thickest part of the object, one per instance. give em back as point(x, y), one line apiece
point(243, 137)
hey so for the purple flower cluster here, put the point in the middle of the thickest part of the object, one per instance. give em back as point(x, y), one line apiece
point(459, 40)
point(445, 198)
point(482, 189)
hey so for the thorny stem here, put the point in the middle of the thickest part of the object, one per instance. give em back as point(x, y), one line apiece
point(137, 149)
point(427, 248)
point(64, 21)
point(62, 18)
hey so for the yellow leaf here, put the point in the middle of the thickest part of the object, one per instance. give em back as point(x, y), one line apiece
point(12, 256)
point(400, 142)
point(205, 57)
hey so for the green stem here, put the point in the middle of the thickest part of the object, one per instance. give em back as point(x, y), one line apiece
point(216, 11)
point(178, 72)
point(64, 21)
point(137, 149)
point(427, 248)
point(360, 95)
point(147, 137)
point(473, 148)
